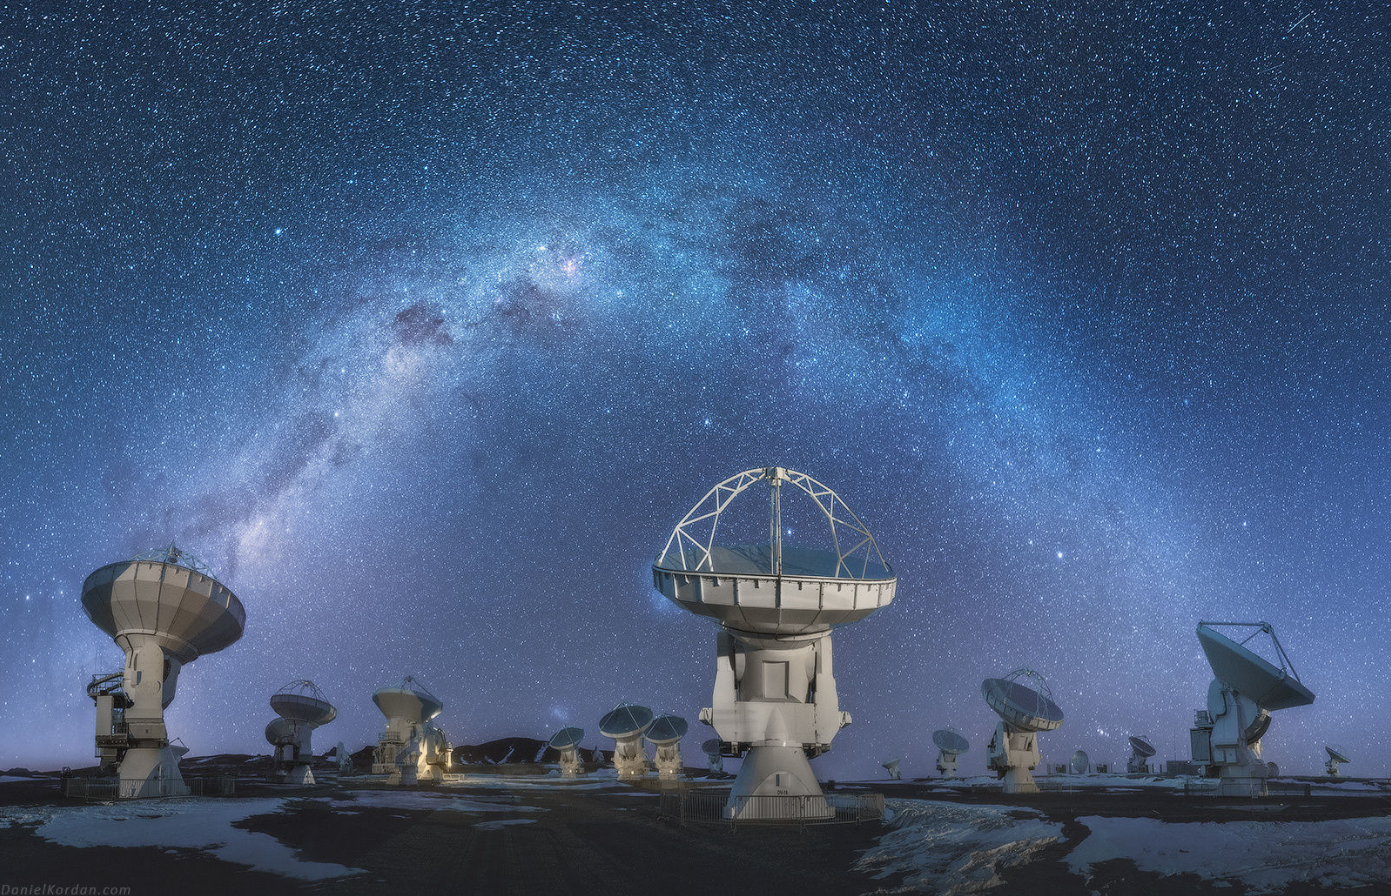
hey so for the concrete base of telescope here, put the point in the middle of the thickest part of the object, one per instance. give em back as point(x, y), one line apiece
point(151, 772)
point(1019, 780)
point(299, 774)
point(770, 780)
point(1241, 784)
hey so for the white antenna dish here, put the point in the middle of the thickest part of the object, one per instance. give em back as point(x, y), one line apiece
point(566, 742)
point(950, 744)
point(345, 759)
point(303, 707)
point(1245, 689)
point(892, 768)
point(626, 723)
point(777, 605)
point(164, 609)
point(1024, 709)
point(409, 708)
point(1140, 751)
point(1081, 763)
point(1336, 756)
point(665, 734)
point(713, 757)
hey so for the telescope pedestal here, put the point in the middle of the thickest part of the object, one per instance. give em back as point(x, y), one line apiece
point(776, 771)
point(1014, 755)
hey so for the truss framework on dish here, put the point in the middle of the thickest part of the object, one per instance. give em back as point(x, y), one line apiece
point(775, 700)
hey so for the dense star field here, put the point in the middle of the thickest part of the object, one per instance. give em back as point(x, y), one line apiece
point(422, 324)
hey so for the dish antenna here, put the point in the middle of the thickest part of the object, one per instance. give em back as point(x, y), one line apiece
point(164, 609)
point(626, 723)
point(1336, 755)
point(775, 700)
point(1245, 689)
point(409, 709)
point(1080, 763)
point(713, 757)
point(345, 759)
point(302, 707)
point(665, 734)
point(892, 768)
point(950, 745)
point(566, 742)
point(1023, 711)
point(1140, 751)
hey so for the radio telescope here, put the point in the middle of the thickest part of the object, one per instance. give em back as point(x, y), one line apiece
point(566, 742)
point(626, 724)
point(165, 609)
point(1245, 689)
point(1140, 751)
point(409, 709)
point(892, 768)
point(302, 707)
point(1080, 764)
point(713, 757)
point(1024, 711)
point(775, 700)
point(950, 745)
point(1336, 755)
point(665, 734)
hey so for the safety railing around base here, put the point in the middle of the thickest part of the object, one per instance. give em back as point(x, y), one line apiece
point(107, 789)
point(716, 806)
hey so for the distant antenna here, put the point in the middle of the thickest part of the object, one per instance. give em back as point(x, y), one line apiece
point(302, 707)
point(1023, 711)
point(713, 757)
point(1336, 755)
point(345, 759)
point(626, 723)
point(1140, 751)
point(1245, 689)
point(665, 734)
point(1081, 763)
point(950, 744)
point(566, 742)
point(892, 768)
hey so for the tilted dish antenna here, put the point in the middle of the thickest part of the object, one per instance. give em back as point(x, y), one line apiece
point(1080, 763)
point(713, 757)
point(1245, 689)
point(411, 737)
point(164, 609)
point(775, 700)
point(1336, 756)
point(892, 768)
point(566, 742)
point(665, 734)
point(950, 744)
point(1024, 703)
point(303, 707)
point(625, 724)
point(1140, 751)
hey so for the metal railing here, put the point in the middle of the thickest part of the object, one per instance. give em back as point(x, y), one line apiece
point(716, 806)
point(110, 789)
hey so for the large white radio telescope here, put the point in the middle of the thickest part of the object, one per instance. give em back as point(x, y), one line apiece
point(411, 749)
point(950, 744)
point(665, 734)
point(775, 700)
point(1245, 690)
point(302, 707)
point(626, 723)
point(165, 609)
point(1140, 751)
point(1024, 711)
point(566, 742)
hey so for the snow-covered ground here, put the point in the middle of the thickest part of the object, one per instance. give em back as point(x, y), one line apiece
point(954, 849)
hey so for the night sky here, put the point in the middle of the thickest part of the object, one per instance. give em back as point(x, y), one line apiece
point(422, 324)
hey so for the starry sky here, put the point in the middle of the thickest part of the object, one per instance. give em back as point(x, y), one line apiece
point(422, 324)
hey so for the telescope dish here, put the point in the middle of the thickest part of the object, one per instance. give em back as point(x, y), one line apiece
point(1142, 747)
point(282, 731)
point(666, 730)
point(1273, 769)
point(773, 588)
point(1021, 706)
point(625, 720)
point(303, 702)
point(1336, 753)
point(566, 738)
point(408, 700)
point(711, 747)
point(1240, 668)
point(1080, 762)
point(949, 741)
point(892, 768)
